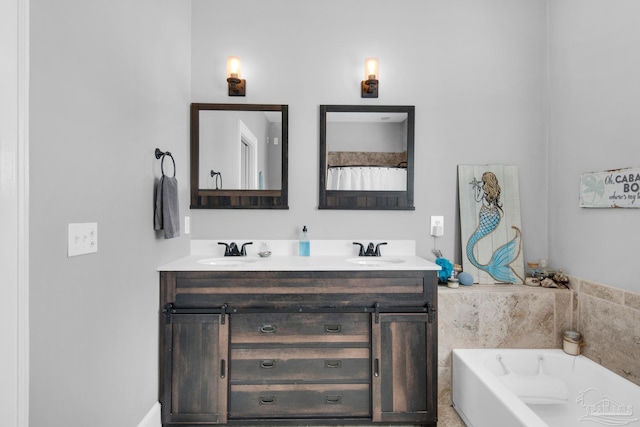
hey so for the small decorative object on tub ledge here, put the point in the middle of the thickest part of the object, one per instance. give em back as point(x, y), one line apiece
point(572, 342)
point(561, 279)
point(446, 269)
point(545, 278)
point(465, 279)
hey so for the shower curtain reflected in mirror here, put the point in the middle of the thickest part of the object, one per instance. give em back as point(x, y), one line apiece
point(367, 178)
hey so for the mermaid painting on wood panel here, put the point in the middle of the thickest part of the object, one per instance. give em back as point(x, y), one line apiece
point(499, 267)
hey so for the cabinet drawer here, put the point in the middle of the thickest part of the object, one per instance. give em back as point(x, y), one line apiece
point(300, 364)
point(308, 289)
point(292, 328)
point(299, 401)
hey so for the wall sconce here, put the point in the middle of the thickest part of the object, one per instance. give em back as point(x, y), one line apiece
point(370, 82)
point(236, 84)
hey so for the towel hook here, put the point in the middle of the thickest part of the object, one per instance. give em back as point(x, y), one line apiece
point(160, 154)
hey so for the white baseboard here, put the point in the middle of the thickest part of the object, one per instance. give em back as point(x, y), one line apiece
point(152, 419)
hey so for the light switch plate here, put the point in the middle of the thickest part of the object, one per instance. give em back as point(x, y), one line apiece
point(83, 238)
point(437, 225)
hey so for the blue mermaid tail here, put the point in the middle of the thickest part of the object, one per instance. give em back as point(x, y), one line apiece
point(499, 266)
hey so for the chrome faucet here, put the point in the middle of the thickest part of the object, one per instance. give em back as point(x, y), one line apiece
point(232, 249)
point(370, 251)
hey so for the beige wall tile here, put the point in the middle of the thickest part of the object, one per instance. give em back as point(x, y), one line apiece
point(574, 283)
point(602, 291)
point(517, 320)
point(563, 315)
point(457, 323)
point(612, 335)
point(632, 300)
point(444, 386)
point(448, 417)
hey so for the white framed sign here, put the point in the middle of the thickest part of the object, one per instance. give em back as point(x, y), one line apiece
point(617, 188)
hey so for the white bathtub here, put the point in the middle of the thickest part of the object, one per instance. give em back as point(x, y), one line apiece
point(568, 391)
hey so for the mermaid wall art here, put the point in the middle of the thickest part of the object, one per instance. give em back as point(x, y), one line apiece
point(490, 223)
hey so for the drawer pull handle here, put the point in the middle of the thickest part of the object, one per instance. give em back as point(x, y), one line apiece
point(223, 369)
point(333, 363)
point(333, 400)
point(268, 364)
point(376, 368)
point(333, 329)
point(268, 329)
point(267, 400)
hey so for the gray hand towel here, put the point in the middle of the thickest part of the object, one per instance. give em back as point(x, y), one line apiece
point(157, 211)
point(166, 216)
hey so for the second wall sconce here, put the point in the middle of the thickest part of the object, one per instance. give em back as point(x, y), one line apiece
point(370, 83)
point(236, 84)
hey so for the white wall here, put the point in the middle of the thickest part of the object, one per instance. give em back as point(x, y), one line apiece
point(595, 99)
point(372, 137)
point(473, 69)
point(14, 319)
point(109, 84)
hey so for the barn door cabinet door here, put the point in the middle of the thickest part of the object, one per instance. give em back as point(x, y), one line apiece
point(196, 368)
point(403, 373)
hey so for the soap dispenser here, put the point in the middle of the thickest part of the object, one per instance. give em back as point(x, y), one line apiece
point(304, 248)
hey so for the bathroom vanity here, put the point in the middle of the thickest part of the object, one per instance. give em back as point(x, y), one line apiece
point(298, 340)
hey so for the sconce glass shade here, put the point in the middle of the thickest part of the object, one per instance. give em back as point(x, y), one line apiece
point(369, 86)
point(236, 84)
point(371, 69)
point(234, 67)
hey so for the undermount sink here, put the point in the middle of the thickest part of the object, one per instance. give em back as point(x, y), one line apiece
point(374, 261)
point(227, 261)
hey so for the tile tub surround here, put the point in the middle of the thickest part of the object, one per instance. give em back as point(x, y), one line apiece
point(496, 316)
point(501, 316)
point(609, 320)
point(518, 316)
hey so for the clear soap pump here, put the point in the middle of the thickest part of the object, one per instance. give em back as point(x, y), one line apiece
point(304, 248)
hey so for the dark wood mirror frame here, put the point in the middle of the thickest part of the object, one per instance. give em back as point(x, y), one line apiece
point(371, 200)
point(237, 199)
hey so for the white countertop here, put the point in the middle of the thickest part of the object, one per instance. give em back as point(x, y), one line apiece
point(326, 255)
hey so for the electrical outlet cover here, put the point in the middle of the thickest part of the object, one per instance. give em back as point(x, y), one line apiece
point(437, 225)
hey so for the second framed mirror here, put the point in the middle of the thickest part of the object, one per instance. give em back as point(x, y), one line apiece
point(366, 157)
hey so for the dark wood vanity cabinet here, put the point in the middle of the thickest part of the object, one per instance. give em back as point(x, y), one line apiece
point(246, 348)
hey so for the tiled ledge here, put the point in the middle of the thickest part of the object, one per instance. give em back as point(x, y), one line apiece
point(607, 293)
point(501, 316)
point(490, 288)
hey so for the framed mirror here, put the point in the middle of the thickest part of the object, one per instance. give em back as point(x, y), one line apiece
point(239, 156)
point(366, 157)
